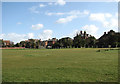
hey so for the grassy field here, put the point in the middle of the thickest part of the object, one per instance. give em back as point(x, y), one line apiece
point(60, 65)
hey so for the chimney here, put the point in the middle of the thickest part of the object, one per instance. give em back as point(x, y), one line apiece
point(84, 32)
point(87, 34)
point(80, 32)
point(105, 33)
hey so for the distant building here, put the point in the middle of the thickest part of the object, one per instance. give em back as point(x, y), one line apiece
point(8, 43)
point(48, 43)
point(35, 40)
point(42, 44)
point(111, 38)
point(51, 41)
point(84, 35)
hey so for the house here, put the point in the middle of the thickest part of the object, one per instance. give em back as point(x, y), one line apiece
point(109, 39)
point(8, 43)
point(49, 43)
point(34, 40)
point(84, 35)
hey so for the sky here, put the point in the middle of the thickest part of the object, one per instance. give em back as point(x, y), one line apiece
point(46, 20)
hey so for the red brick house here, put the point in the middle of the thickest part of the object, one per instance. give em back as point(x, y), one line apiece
point(8, 42)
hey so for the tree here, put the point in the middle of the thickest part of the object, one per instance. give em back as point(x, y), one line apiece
point(66, 42)
point(90, 42)
point(32, 43)
point(2, 43)
point(22, 43)
point(79, 41)
point(56, 45)
point(27, 45)
point(111, 39)
point(17, 45)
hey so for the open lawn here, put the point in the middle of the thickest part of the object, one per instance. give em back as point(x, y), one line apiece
point(60, 65)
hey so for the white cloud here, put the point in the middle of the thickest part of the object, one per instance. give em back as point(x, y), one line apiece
point(16, 37)
point(73, 12)
point(108, 15)
point(42, 5)
point(46, 34)
point(77, 12)
point(37, 26)
point(116, 0)
point(50, 13)
point(111, 24)
point(97, 17)
point(50, 3)
point(100, 16)
point(30, 35)
point(116, 14)
point(19, 23)
point(91, 29)
point(108, 20)
point(33, 9)
point(71, 15)
point(67, 19)
point(71, 35)
point(60, 2)
point(74, 33)
point(1, 36)
point(86, 12)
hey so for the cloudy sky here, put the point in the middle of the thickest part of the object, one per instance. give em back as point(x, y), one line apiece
point(44, 20)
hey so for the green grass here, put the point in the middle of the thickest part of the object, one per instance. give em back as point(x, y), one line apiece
point(60, 65)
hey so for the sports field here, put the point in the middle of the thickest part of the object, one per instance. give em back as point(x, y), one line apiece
point(60, 65)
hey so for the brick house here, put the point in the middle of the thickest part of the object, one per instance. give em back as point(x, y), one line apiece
point(8, 43)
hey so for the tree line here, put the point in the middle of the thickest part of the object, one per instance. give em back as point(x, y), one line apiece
point(112, 39)
point(82, 39)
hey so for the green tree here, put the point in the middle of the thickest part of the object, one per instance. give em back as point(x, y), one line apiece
point(91, 42)
point(79, 41)
point(17, 45)
point(22, 43)
point(27, 45)
point(66, 42)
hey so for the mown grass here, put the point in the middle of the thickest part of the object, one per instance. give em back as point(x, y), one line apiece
point(60, 65)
